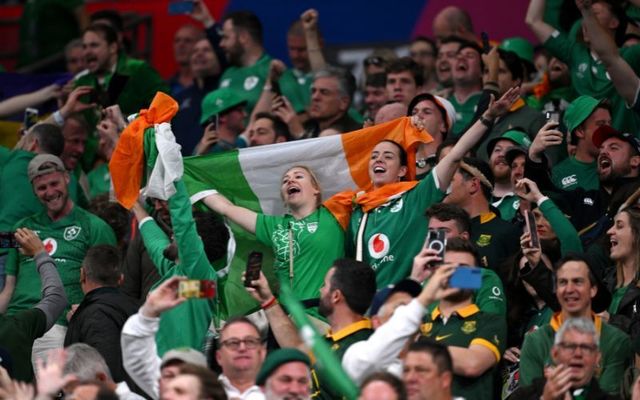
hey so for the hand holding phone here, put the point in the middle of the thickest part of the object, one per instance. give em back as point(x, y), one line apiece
point(530, 220)
point(30, 118)
point(178, 7)
point(437, 241)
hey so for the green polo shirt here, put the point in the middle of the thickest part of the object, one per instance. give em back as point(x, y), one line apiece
point(464, 112)
point(340, 342)
point(465, 327)
point(296, 86)
point(496, 239)
point(572, 173)
point(247, 81)
point(508, 206)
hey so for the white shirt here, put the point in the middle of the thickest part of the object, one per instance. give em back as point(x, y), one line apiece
point(124, 393)
point(253, 393)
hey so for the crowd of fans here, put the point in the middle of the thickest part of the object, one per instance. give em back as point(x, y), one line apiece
point(530, 176)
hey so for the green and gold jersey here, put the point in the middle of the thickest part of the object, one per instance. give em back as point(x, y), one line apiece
point(67, 241)
point(469, 326)
point(496, 239)
point(247, 81)
point(394, 232)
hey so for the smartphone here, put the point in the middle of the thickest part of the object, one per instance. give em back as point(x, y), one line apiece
point(436, 240)
point(197, 289)
point(465, 277)
point(179, 7)
point(275, 88)
point(552, 116)
point(8, 240)
point(254, 265)
point(486, 46)
point(530, 219)
point(30, 117)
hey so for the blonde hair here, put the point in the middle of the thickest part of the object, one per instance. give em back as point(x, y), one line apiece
point(314, 182)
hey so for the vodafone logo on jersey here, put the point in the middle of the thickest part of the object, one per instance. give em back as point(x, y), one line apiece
point(378, 245)
point(50, 245)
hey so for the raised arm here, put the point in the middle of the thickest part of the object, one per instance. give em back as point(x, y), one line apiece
point(448, 165)
point(535, 21)
point(623, 77)
point(239, 215)
point(314, 47)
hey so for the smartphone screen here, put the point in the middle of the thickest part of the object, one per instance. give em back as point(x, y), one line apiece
point(464, 277)
point(254, 265)
point(30, 118)
point(8, 240)
point(197, 289)
point(552, 116)
point(530, 219)
point(486, 47)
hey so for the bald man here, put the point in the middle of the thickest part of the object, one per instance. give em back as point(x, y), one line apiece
point(453, 21)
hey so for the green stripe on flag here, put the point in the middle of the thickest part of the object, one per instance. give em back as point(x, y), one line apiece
point(328, 368)
point(222, 172)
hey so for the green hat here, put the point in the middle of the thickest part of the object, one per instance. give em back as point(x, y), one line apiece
point(220, 101)
point(521, 46)
point(277, 358)
point(515, 135)
point(579, 110)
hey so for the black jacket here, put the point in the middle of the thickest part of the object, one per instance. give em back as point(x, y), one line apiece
point(627, 317)
point(98, 322)
point(534, 391)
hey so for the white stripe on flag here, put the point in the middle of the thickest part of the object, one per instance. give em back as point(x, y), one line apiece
point(263, 167)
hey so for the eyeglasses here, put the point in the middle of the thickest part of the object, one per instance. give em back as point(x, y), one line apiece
point(572, 347)
point(234, 344)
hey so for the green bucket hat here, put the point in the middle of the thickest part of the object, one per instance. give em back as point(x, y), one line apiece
point(277, 358)
point(516, 135)
point(579, 110)
point(521, 46)
point(220, 101)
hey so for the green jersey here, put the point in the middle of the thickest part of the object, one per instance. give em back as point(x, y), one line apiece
point(296, 86)
point(248, 81)
point(572, 173)
point(617, 296)
point(16, 193)
point(589, 76)
point(464, 112)
point(17, 333)
point(315, 242)
point(99, 180)
point(67, 241)
point(615, 347)
point(469, 326)
point(394, 232)
point(508, 206)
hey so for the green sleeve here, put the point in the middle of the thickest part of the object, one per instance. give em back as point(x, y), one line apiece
point(490, 297)
point(566, 232)
point(101, 233)
point(615, 359)
point(560, 45)
point(631, 55)
point(155, 241)
point(11, 266)
point(264, 228)
point(193, 260)
point(427, 191)
point(531, 358)
point(492, 333)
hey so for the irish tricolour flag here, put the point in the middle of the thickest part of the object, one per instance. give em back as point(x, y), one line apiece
point(251, 178)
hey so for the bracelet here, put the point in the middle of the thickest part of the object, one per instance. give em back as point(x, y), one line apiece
point(269, 303)
point(58, 118)
point(486, 122)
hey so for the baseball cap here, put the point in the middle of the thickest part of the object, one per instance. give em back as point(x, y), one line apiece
point(184, 354)
point(220, 101)
point(516, 135)
point(521, 46)
point(277, 358)
point(605, 132)
point(408, 286)
point(444, 105)
point(44, 164)
point(579, 110)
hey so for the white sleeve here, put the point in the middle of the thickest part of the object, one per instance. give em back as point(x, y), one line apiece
point(139, 352)
point(384, 345)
